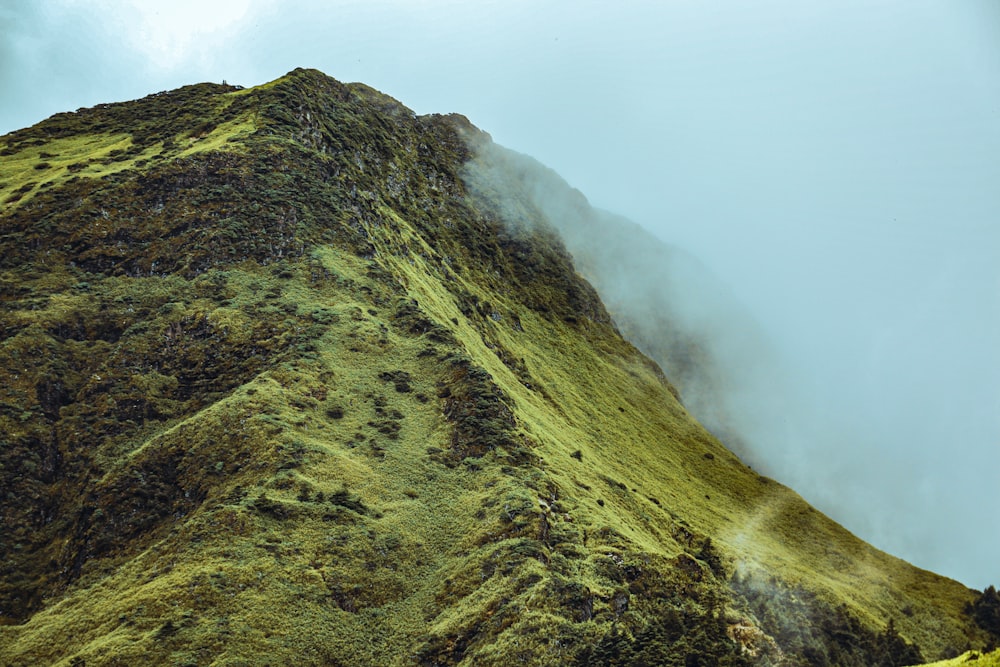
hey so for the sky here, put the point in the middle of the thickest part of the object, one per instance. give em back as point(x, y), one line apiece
point(836, 163)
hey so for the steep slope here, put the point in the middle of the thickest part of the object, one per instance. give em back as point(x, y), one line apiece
point(663, 299)
point(978, 659)
point(282, 392)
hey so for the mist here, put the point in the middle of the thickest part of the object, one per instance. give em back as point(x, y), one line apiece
point(662, 299)
point(817, 181)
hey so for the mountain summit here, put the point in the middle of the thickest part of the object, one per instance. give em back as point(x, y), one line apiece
point(296, 376)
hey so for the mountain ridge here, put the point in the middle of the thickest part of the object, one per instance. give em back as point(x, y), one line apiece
point(284, 384)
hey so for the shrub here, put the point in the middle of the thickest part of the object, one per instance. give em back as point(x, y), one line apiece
point(986, 611)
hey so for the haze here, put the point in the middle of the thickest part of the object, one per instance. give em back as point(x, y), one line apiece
point(834, 163)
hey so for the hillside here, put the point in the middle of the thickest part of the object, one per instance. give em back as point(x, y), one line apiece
point(662, 299)
point(975, 658)
point(285, 387)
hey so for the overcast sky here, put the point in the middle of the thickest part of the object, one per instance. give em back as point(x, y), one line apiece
point(836, 163)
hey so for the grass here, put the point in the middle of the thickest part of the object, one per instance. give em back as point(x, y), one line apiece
point(23, 172)
point(220, 137)
point(36, 164)
point(970, 658)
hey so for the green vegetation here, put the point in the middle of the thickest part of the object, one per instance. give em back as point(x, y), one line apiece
point(111, 138)
point(970, 659)
point(817, 633)
point(985, 610)
point(281, 392)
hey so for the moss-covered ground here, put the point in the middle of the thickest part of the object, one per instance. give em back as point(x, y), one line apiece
point(279, 392)
point(970, 659)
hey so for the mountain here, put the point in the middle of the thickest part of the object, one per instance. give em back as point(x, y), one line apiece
point(289, 383)
point(663, 300)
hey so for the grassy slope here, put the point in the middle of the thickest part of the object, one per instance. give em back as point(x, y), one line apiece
point(328, 512)
point(970, 658)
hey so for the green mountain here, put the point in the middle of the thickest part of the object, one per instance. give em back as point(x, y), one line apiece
point(289, 382)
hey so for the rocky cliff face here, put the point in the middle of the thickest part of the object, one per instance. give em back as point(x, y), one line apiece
point(283, 387)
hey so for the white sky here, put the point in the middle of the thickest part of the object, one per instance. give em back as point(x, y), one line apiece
point(836, 162)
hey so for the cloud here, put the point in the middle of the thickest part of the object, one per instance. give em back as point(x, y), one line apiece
point(59, 57)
